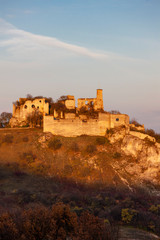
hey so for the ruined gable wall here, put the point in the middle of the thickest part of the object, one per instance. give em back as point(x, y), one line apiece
point(70, 104)
point(85, 102)
point(29, 106)
point(97, 102)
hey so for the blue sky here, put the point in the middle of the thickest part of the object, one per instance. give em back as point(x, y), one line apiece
point(57, 47)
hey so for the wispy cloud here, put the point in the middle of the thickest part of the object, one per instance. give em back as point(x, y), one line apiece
point(27, 11)
point(10, 15)
point(16, 38)
point(18, 41)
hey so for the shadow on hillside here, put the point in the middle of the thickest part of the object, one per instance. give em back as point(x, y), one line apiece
point(21, 189)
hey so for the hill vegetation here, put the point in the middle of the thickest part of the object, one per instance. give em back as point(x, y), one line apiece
point(82, 173)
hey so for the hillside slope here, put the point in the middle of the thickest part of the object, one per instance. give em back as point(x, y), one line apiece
point(122, 160)
point(114, 178)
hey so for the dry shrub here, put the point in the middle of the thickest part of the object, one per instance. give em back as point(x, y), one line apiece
point(29, 157)
point(37, 224)
point(54, 144)
point(8, 139)
point(92, 228)
point(19, 173)
point(57, 223)
point(117, 155)
point(91, 148)
point(100, 140)
point(8, 229)
point(25, 139)
point(75, 147)
point(65, 221)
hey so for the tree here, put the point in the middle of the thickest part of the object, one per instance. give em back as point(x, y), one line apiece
point(8, 228)
point(37, 224)
point(5, 118)
point(62, 98)
point(92, 228)
point(65, 221)
point(29, 96)
point(35, 119)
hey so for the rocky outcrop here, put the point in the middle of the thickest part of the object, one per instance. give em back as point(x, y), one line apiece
point(145, 153)
point(142, 136)
point(14, 122)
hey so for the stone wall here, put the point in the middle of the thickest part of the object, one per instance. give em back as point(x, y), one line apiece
point(97, 102)
point(72, 128)
point(76, 126)
point(70, 104)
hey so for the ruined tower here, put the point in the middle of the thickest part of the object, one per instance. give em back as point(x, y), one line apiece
point(99, 99)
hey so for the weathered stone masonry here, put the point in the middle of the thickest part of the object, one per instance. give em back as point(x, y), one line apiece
point(71, 127)
point(72, 122)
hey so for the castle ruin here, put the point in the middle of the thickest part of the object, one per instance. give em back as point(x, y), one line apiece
point(64, 118)
point(24, 107)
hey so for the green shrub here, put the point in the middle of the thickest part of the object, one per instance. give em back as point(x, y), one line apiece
point(155, 209)
point(54, 144)
point(128, 215)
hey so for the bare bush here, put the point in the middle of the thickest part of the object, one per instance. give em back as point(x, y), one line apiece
point(8, 139)
point(100, 140)
point(54, 144)
point(91, 148)
point(35, 119)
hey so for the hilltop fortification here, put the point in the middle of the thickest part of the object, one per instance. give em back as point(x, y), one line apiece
point(64, 118)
